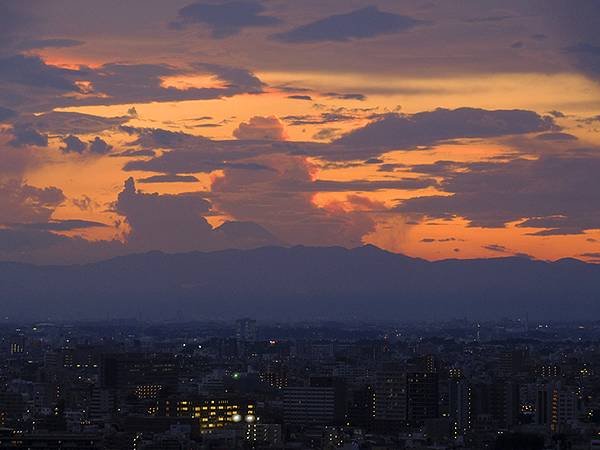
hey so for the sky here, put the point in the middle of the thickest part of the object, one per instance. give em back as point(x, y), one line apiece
point(467, 129)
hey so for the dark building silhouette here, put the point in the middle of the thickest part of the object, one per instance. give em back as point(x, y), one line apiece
point(422, 396)
point(322, 401)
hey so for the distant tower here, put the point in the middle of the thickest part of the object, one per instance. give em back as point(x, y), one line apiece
point(246, 330)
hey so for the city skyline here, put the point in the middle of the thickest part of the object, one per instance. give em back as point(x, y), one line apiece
point(510, 384)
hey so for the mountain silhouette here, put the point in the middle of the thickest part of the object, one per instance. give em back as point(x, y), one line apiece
point(301, 283)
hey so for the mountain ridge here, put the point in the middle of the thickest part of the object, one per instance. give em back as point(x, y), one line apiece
point(301, 283)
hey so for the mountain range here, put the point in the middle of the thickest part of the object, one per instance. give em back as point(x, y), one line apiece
point(301, 283)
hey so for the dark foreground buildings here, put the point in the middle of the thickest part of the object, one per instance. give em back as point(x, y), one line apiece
point(248, 385)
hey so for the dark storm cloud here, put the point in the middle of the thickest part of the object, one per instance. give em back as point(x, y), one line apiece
point(121, 83)
point(359, 24)
point(33, 71)
point(164, 221)
point(28, 83)
point(396, 131)
point(225, 19)
point(176, 223)
point(558, 194)
point(73, 144)
point(24, 135)
point(22, 203)
point(99, 146)
point(282, 201)
point(157, 222)
point(169, 178)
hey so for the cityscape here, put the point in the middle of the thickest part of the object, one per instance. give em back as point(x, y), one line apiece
point(300, 224)
point(509, 384)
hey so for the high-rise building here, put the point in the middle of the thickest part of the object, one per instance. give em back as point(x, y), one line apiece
point(389, 399)
point(512, 361)
point(321, 402)
point(459, 406)
point(422, 396)
point(556, 406)
point(495, 403)
point(504, 403)
point(102, 404)
point(360, 407)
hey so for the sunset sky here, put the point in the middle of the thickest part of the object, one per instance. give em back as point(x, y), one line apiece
point(436, 129)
